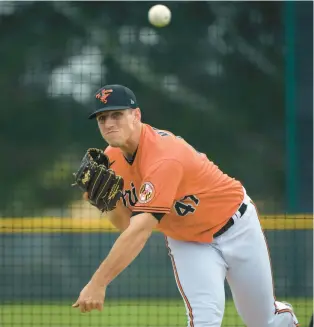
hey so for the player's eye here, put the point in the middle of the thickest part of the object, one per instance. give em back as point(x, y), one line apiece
point(101, 118)
point(117, 115)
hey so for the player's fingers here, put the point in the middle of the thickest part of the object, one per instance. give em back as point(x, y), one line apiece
point(96, 305)
point(75, 305)
point(82, 306)
point(85, 196)
point(89, 305)
point(99, 306)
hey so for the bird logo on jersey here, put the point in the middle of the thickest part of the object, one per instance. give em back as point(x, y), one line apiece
point(146, 193)
point(103, 95)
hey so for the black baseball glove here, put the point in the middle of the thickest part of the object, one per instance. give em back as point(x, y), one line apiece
point(95, 177)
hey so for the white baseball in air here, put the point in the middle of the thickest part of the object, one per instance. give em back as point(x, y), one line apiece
point(159, 15)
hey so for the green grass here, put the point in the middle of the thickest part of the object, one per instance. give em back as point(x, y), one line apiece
point(149, 313)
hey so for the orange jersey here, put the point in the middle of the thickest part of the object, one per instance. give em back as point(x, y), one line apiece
point(169, 176)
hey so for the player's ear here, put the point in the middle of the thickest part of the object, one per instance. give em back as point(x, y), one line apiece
point(137, 114)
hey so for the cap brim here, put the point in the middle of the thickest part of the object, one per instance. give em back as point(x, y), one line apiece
point(93, 115)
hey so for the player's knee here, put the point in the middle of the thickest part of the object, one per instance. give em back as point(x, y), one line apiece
point(206, 316)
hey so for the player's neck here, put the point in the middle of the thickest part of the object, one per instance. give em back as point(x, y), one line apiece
point(131, 145)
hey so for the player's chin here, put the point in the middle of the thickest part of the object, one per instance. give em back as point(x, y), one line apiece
point(113, 140)
point(114, 143)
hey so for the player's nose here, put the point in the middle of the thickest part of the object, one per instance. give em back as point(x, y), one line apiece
point(109, 123)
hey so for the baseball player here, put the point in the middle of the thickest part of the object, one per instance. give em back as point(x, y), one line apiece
point(211, 225)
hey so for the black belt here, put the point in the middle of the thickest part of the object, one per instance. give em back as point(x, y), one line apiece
point(230, 222)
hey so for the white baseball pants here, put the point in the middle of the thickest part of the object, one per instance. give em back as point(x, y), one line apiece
point(240, 255)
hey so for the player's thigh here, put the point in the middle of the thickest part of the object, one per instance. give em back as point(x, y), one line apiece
point(200, 272)
point(249, 274)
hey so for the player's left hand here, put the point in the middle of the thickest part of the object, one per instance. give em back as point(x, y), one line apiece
point(92, 297)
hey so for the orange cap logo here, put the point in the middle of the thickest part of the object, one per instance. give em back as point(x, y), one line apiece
point(103, 95)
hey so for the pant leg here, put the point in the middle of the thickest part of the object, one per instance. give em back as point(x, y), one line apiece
point(200, 272)
point(250, 276)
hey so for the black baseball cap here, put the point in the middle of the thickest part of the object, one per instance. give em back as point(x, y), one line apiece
point(114, 97)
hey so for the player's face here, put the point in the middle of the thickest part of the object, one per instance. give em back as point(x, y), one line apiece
point(117, 126)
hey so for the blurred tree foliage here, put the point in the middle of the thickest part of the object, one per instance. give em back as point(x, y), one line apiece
point(214, 76)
